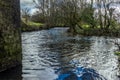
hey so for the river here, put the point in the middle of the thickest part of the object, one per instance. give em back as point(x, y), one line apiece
point(56, 55)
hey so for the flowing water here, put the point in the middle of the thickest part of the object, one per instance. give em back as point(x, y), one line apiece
point(56, 55)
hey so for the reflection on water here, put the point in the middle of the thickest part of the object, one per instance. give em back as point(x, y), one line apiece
point(55, 55)
point(81, 73)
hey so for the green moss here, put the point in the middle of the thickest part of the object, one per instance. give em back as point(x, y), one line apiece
point(34, 24)
point(10, 41)
point(117, 53)
point(31, 23)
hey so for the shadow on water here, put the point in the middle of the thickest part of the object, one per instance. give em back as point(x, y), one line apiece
point(12, 74)
point(80, 73)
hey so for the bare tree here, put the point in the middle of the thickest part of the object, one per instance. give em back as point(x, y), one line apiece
point(76, 12)
point(26, 14)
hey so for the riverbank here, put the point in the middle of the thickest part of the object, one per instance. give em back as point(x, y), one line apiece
point(33, 26)
point(88, 31)
point(85, 31)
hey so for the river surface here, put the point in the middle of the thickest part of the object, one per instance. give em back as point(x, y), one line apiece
point(56, 55)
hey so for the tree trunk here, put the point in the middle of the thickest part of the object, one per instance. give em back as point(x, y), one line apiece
point(10, 39)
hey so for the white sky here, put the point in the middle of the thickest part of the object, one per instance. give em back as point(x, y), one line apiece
point(29, 4)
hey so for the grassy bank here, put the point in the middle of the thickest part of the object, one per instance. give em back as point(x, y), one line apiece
point(85, 31)
point(30, 26)
point(97, 31)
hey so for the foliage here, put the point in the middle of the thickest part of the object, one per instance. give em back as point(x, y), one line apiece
point(117, 53)
point(87, 17)
point(77, 13)
point(30, 25)
point(37, 18)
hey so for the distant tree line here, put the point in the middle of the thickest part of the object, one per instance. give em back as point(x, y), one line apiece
point(76, 13)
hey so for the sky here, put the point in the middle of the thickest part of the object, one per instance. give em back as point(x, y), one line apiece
point(28, 4)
